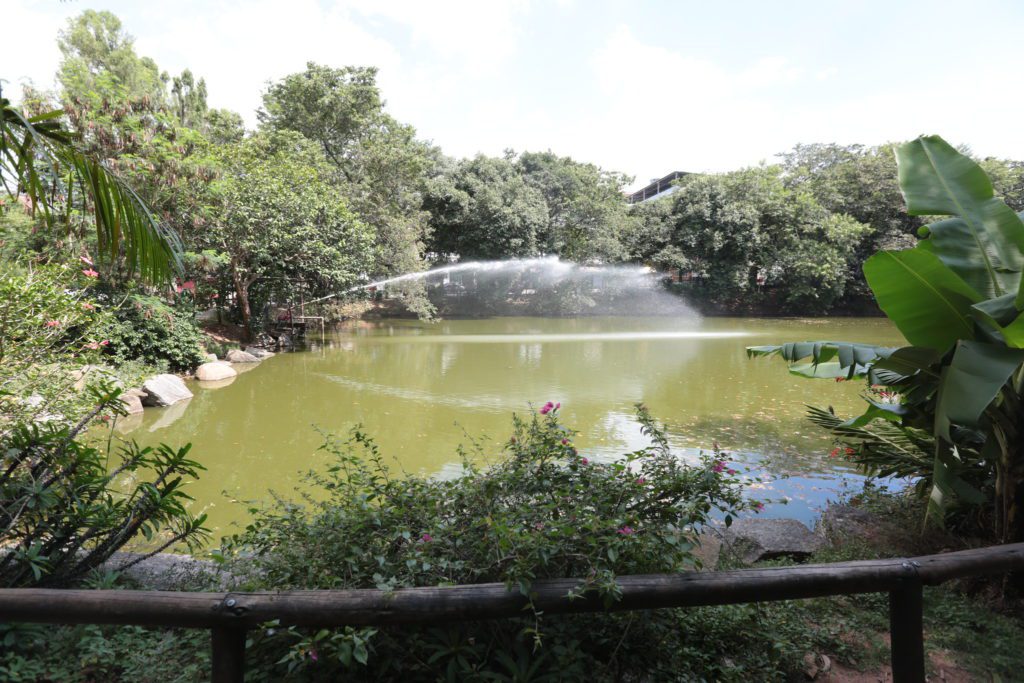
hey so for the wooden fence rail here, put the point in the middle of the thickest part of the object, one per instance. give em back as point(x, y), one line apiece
point(229, 615)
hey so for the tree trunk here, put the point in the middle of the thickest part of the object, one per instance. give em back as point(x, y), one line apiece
point(242, 291)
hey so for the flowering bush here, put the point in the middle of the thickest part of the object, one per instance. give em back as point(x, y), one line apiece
point(544, 510)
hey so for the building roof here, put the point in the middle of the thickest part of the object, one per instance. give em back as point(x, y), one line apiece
point(657, 188)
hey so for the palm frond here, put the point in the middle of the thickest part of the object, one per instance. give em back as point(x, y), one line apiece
point(125, 227)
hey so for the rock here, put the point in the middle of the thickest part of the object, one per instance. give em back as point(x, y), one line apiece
point(168, 571)
point(132, 399)
point(211, 358)
point(707, 550)
point(765, 539)
point(258, 352)
point(165, 390)
point(211, 372)
point(237, 356)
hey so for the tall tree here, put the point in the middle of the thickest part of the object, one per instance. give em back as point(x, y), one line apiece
point(280, 218)
point(381, 163)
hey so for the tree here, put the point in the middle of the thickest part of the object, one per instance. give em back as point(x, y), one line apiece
point(484, 209)
point(382, 166)
point(279, 218)
point(586, 211)
point(99, 62)
point(746, 228)
point(957, 297)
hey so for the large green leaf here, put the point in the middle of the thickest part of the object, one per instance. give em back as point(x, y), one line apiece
point(828, 359)
point(926, 300)
point(971, 382)
point(985, 244)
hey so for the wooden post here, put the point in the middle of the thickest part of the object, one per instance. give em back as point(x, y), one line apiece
point(906, 630)
point(228, 665)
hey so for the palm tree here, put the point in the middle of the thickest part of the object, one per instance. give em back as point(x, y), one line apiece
point(40, 161)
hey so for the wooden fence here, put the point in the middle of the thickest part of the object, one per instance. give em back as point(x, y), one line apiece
point(229, 615)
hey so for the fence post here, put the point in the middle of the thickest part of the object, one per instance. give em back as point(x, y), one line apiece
point(228, 665)
point(906, 631)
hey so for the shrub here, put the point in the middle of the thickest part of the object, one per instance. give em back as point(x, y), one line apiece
point(147, 329)
point(543, 511)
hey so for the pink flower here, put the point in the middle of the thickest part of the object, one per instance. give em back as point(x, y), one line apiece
point(759, 507)
point(426, 538)
point(215, 295)
point(641, 481)
point(584, 461)
point(565, 442)
point(313, 655)
point(53, 323)
point(86, 260)
point(626, 531)
point(719, 466)
point(189, 285)
point(95, 346)
point(731, 471)
point(89, 272)
point(547, 408)
point(88, 306)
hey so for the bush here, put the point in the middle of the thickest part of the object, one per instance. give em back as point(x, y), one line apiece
point(66, 507)
point(543, 511)
point(147, 329)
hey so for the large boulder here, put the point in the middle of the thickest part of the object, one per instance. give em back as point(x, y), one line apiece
point(211, 357)
point(766, 539)
point(132, 399)
point(165, 390)
point(238, 356)
point(212, 372)
point(258, 352)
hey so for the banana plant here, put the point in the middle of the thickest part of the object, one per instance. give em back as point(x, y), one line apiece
point(957, 297)
point(40, 161)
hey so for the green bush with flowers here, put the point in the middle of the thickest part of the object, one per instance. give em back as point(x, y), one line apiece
point(543, 510)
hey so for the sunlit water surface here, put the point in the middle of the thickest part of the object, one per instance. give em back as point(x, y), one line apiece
point(421, 389)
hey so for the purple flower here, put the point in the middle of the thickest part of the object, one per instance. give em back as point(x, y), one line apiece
point(719, 466)
point(313, 655)
point(626, 531)
point(565, 442)
point(426, 538)
point(547, 408)
point(641, 481)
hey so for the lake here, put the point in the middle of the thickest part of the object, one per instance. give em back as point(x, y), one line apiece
point(420, 389)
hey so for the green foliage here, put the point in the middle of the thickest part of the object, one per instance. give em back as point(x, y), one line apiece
point(542, 511)
point(485, 209)
point(147, 329)
point(957, 298)
point(39, 158)
point(280, 221)
point(747, 233)
point(381, 166)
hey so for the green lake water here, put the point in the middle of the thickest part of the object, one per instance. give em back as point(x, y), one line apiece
point(421, 389)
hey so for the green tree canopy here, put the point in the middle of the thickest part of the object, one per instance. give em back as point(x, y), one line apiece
point(279, 218)
point(485, 209)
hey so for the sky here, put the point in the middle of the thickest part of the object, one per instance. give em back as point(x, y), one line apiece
point(643, 88)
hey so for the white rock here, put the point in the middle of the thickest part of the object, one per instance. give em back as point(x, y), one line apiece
point(211, 372)
point(132, 399)
point(258, 352)
point(236, 356)
point(165, 390)
point(211, 358)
